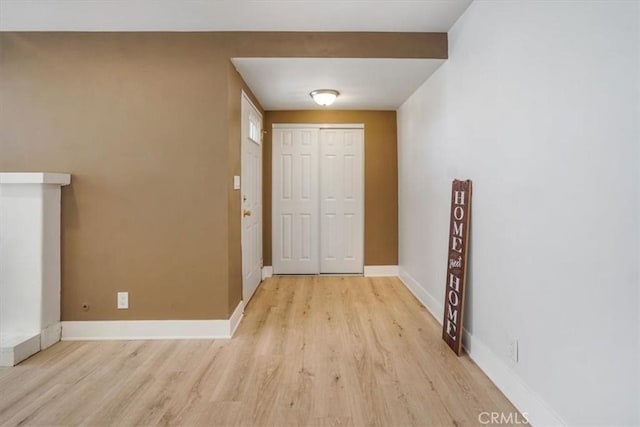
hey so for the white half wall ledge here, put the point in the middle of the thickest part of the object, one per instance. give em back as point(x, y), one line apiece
point(527, 401)
point(35, 178)
point(111, 330)
point(381, 271)
point(29, 290)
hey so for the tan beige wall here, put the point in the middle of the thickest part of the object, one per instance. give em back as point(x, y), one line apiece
point(381, 177)
point(334, 44)
point(147, 124)
point(135, 119)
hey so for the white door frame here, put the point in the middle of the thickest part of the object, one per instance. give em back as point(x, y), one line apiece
point(320, 126)
point(248, 289)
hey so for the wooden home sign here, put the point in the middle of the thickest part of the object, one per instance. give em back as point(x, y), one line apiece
point(457, 264)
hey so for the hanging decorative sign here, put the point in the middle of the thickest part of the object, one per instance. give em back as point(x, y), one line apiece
point(457, 264)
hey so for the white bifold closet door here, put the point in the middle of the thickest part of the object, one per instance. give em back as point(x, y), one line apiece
point(318, 200)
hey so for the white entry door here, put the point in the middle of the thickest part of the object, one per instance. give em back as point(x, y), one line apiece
point(341, 201)
point(251, 196)
point(295, 201)
point(318, 199)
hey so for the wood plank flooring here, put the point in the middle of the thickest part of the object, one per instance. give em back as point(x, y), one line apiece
point(311, 351)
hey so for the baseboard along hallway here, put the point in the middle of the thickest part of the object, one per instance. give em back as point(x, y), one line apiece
point(309, 351)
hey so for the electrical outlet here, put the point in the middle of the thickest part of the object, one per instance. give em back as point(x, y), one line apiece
point(123, 300)
point(512, 350)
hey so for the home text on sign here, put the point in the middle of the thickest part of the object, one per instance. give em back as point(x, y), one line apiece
point(457, 264)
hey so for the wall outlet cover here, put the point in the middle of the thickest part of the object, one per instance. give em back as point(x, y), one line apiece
point(123, 300)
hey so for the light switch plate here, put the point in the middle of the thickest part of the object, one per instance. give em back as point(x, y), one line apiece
point(236, 182)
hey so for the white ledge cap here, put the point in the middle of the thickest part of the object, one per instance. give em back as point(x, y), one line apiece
point(35, 178)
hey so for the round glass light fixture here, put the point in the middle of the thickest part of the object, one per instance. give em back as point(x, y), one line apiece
point(324, 97)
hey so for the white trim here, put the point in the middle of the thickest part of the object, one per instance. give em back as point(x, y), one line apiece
point(236, 318)
point(152, 329)
point(16, 349)
point(317, 125)
point(267, 271)
point(244, 94)
point(432, 304)
point(527, 401)
point(144, 330)
point(381, 271)
point(35, 178)
point(50, 335)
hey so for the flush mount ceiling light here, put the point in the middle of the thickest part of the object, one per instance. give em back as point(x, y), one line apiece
point(324, 97)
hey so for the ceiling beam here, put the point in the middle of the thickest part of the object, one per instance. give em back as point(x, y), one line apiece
point(335, 44)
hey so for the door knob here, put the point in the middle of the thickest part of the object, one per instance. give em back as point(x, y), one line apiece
point(246, 213)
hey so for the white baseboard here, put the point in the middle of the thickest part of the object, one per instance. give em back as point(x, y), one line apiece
point(433, 305)
point(16, 349)
point(152, 329)
point(369, 271)
point(380, 270)
point(50, 335)
point(236, 318)
point(527, 401)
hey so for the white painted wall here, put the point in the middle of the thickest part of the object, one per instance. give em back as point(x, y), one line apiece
point(539, 106)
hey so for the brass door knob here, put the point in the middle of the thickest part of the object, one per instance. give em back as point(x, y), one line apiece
point(246, 213)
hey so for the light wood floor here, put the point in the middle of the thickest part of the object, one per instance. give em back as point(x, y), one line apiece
point(310, 351)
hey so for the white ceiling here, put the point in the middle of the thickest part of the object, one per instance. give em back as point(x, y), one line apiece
point(278, 83)
point(364, 84)
point(230, 15)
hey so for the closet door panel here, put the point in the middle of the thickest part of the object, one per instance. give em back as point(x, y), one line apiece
point(341, 201)
point(295, 201)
